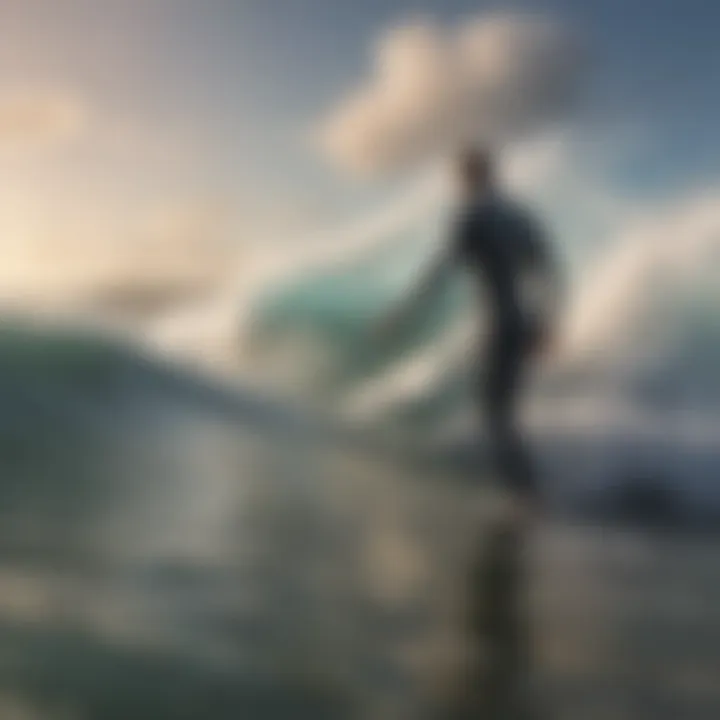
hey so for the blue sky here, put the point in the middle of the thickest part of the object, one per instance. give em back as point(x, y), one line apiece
point(166, 106)
point(243, 77)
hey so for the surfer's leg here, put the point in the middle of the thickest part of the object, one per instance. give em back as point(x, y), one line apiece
point(508, 448)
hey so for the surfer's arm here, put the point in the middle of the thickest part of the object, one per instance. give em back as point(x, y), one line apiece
point(430, 279)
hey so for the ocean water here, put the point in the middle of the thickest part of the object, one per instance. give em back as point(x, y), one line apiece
point(172, 547)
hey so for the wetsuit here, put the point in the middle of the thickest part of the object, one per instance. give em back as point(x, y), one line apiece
point(504, 251)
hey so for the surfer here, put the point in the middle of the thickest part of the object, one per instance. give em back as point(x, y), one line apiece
point(502, 247)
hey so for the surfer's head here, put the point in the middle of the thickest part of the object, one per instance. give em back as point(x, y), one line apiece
point(475, 170)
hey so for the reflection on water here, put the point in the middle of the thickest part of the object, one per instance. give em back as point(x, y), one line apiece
point(163, 555)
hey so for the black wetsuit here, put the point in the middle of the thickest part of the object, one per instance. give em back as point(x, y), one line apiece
point(501, 245)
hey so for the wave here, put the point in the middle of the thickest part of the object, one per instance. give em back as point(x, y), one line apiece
point(639, 326)
point(305, 351)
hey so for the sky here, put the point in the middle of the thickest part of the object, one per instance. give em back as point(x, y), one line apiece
point(150, 144)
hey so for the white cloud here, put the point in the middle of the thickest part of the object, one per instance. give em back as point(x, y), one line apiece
point(432, 87)
point(32, 117)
